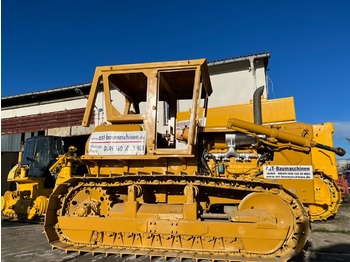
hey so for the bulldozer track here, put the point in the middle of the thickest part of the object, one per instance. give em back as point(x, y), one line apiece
point(330, 199)
point(173, 243)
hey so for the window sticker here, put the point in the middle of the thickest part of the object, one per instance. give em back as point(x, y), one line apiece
point(288, 172)
point(117, 143)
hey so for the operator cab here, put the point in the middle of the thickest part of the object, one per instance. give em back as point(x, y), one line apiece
point(40, 152)
point(146, 99)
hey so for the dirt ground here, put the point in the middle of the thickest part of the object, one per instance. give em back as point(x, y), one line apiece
point(26, 242)
point(329, 240)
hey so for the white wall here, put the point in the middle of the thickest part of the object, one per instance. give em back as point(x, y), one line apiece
point(236, 87)
point(43, 108)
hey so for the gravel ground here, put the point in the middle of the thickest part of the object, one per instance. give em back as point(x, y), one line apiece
point(26, 242)
point(329, 240)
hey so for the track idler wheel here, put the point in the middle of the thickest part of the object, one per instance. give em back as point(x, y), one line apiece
point(270, 211)
point(327, 199)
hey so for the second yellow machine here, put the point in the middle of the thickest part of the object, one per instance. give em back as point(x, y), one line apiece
point(184, 191)
point(318, 192)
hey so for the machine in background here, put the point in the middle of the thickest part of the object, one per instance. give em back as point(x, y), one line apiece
point(34, 182)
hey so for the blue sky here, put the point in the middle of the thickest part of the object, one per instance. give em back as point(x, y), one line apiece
point(52, 44)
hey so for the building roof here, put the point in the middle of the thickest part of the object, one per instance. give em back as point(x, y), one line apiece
point(263, 55)
point(49, 95)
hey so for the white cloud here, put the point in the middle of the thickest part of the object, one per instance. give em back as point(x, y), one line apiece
point(342, 129)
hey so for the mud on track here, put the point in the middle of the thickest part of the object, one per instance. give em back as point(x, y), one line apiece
point(26, 242)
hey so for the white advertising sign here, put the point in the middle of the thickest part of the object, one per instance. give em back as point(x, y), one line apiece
point(117, 143)
point(288, 172)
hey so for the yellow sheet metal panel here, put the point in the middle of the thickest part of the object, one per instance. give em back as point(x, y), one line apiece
point(273, 111)
point(324, 161)
point(303, 188)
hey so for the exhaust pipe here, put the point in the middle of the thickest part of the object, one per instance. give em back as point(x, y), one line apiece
point(257, 105)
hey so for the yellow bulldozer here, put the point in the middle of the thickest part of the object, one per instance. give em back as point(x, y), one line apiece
point(41, 164)
point(187, 191)
point(319, 193)
point(34, 183)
